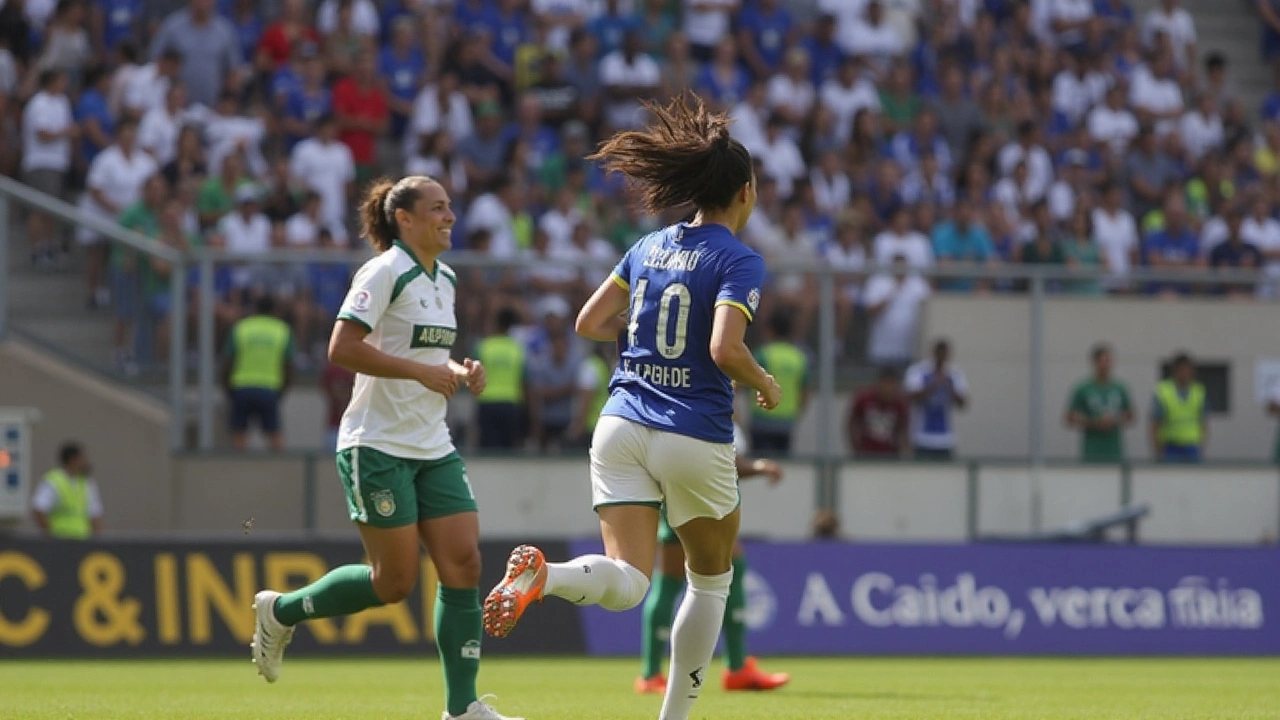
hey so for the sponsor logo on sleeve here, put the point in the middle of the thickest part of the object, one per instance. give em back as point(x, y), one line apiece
point(360, 301)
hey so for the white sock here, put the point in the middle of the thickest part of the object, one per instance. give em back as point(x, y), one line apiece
point(693, 640)
point(597, 580)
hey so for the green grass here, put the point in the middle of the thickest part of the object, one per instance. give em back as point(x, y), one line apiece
point(839, 689)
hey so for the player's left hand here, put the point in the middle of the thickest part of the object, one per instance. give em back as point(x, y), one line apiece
point(769, 469)
point(474, 377)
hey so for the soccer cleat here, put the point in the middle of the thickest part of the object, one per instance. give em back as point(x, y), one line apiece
point(270, 636)
point(655, 685)
point(751, 677)
point(525, 579)
point(479, 710)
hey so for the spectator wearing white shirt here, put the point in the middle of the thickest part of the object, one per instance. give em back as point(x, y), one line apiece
point(1069, 19)
point(1201, 128)
point(324, 164)
point(832, 190)
point(847, 14)
point(1016, 194)
point(1027, 148)
point(439, 106)
point(364, 17)
point(1076, 90)
point(791, 92)
point(893, 301)
point(303, 228)
point(935, 387)
point(1178, 25)
point(560, 220)
point(1260, 229)
point(1072, 189)
point(244, 232)
point(780, 157)
point(749, 118)
point(1155, 93)
point(494, 212)
point(48, 127)
point(437, 157)
point(705, 23)
point(148, 86)
point(927, 183)
point(1112, 123)
point(909, 146)
point(1116, 233)
point(901, 240)
point(627, 76)
point(875, 39)
point(114, 182)
point(846, 95)
point(160, 127)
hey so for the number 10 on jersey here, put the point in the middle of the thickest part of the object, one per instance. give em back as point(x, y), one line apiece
point(668, 341)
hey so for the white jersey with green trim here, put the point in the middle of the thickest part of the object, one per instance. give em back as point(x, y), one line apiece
point(409, 312)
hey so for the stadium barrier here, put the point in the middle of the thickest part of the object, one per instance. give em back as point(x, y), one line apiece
point(993, 599)
point(161, 598)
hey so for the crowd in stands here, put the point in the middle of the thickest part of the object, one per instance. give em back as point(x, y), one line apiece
point(899, 134)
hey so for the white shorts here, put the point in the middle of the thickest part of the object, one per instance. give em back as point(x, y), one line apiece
point(636, 465)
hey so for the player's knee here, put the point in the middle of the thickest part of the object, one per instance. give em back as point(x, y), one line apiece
point(393, 586)
point(628, 593)
point(462, 570)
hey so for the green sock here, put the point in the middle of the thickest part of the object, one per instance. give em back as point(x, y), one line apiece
point(735, 621)
point(345, 590)
point(458, 641)
point(658, 609)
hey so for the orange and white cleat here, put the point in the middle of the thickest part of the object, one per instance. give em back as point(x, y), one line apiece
point(523, 584)
point(751, 677)
point(656, 685)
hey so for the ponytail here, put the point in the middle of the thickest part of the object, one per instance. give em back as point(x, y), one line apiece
point(685, 157)
point(378, 211)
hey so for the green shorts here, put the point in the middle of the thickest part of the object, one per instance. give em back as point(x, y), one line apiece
point(666, 535)
point(386, 491)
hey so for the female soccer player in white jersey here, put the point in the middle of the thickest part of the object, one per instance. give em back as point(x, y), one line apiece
point(404, 481)
point(666, 432)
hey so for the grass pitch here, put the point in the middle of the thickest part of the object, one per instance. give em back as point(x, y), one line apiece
point(578, 689)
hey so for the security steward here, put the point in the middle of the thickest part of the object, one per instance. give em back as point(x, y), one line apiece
point(66, 504)
point(499, 412)
point(1179, 417)
point(771, 430)
point(256, 371)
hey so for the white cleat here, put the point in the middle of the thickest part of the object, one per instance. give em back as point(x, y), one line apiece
point(270, 636)
point(479, 710)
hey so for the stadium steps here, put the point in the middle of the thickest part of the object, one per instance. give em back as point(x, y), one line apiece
point(1232, 28)
point(48, 308)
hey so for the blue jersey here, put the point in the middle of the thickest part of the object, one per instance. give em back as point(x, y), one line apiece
point(666, 378)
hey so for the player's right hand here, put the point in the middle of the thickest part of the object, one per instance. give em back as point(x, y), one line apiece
point(439, 378)
point(770, 395)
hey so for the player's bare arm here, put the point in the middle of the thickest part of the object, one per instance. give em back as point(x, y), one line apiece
point(348, 349)
point(730, 353)
point(601, 318)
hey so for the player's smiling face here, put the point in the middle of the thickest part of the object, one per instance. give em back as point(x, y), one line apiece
point(429, 228)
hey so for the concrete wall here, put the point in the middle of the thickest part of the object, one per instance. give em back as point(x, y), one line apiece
point(992, 346)
point(125, 433)
point(899, 502)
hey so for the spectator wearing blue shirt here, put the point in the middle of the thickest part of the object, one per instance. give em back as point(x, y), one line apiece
point(610, 27)
point(474, 16)
point(1235, 253)
point(723, 79)
point(119, 21)
point(248, 25)
point(507, 31)
point(1173, 247)
point(308, 100)
point(908, 147)
point(403, 67)
point(961, 240)
point(764, 34)
point(825, 56)
point(1116, 15)
point(97, 127)
point(927, 183)
point(543, 141)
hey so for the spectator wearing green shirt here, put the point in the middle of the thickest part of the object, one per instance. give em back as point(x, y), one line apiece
point(127, 271)
point(1099, 408)
point(217, 194)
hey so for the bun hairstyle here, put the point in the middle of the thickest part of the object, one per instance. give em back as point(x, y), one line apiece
point(378, 211)
point(685, 156)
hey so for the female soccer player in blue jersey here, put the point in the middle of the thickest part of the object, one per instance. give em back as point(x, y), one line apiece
point(666, 432)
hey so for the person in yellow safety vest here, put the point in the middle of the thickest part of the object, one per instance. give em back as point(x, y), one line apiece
point(771, 430)
point(594, 373)
point(1179, 416)
point(499, 411)
point(257, 369)
point(66, 504)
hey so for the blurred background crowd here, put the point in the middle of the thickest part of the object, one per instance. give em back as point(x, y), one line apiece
point(891, 136)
